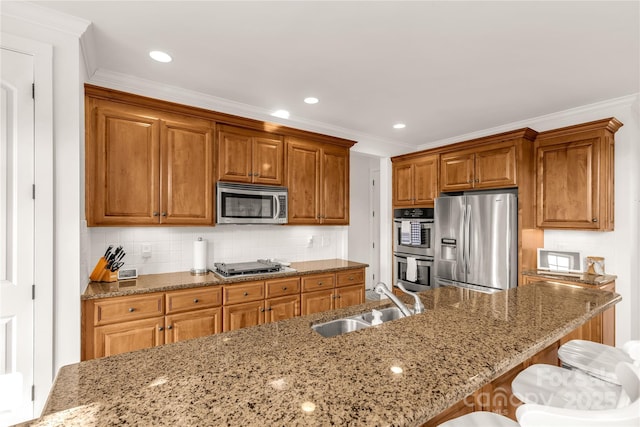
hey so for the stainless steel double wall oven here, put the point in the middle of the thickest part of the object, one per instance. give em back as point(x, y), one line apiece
point(414, 248)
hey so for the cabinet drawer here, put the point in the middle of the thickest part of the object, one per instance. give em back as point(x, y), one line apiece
point(351, 277)
point(277, 288)
point(318, 282)
point(234, 294)
point(122, 309)
point(194, 299)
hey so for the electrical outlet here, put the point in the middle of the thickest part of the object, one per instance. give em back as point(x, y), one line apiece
point(146, 250)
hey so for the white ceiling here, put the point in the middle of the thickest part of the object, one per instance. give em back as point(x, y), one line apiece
point(443, 68)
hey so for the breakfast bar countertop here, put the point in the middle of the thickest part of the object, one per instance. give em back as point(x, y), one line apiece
point(285, 373)
point(183, 280)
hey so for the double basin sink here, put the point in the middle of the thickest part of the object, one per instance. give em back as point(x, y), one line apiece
point(354, 323)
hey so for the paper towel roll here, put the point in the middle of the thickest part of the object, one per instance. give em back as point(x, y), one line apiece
point(199, 256)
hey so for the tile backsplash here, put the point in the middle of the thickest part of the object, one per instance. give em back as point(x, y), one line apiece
point(171, 248)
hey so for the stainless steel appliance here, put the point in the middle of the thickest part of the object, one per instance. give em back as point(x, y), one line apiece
point(250, 204)
point(261, 266)
point(477, 241)
point(422, 233)
point(413, 248)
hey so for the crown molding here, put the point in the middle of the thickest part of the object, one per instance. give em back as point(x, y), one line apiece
point(44, 17)
point(367, 144)
point(628, 101)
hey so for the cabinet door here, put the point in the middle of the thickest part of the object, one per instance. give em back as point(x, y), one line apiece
point(303, 181)
point(187, 172)
point(315, 302)
point(268, 161)
point(194, 324)
point(496, 168)
point(335, 186)
point(122, 167)
point(243, 315)
point(349, 295)
point(234, 154)
point(282, 308)
point(119, 338)
point(456, 171)
point(402, 184)
point(567, 185)
point(425, 181)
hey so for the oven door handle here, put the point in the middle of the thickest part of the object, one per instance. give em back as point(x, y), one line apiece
point(418, 259)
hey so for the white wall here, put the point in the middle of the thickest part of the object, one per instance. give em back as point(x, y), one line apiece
point(67, 139)
point(360, 210)
point(172, 247)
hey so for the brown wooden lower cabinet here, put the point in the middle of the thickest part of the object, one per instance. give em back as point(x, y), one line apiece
point(122, 337)
point(120, 324)
point(194, 324)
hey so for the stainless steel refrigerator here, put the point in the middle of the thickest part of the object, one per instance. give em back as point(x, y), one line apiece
point(477, 241)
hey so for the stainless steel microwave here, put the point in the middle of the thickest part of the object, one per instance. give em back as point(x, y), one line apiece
point(250, 204)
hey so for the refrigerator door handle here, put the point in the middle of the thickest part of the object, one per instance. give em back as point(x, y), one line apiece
point(467, 240)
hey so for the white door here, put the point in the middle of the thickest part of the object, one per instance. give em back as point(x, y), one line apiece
point(16, 237)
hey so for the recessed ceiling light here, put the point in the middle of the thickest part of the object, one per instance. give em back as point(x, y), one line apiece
point(160, 56)
point(311, 100)
point(399, 126)
point(283, 114)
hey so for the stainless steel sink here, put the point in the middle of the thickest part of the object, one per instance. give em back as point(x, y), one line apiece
point(339, 327)
point(353, 323)
point(389, 313)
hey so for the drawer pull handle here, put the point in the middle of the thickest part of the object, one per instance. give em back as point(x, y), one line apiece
point(246, 294)
point(196, 300)
point(131, 309)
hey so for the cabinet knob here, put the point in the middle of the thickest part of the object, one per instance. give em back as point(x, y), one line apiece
point(196, 300)
point(170, 327)
point(164, 214)
point(477, 180)
point(161, 328)
point(256, 174)
point(270, 309)
point(246, 294)
point(594, 220)
point(261, 309)
point(350, 277)
point(249, 174)
point(131, 309)
point(284, 288)
point(319, 283)
point(156, 214)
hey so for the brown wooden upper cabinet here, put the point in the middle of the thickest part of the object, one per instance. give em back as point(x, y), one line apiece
point(493, 166)
point(415, 181)
point(146, 166)
point(574, 176)
point(250, 156)
point(318, 182)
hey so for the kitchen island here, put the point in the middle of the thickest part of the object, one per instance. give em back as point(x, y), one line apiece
point(284, 373)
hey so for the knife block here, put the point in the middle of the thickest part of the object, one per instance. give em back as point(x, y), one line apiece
point(102, 274)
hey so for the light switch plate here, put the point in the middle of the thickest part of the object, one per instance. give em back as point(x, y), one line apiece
point(127, 273)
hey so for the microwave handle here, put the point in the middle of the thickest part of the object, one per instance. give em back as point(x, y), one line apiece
point(277, 210)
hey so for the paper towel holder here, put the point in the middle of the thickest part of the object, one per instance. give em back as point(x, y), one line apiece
point(199, 271)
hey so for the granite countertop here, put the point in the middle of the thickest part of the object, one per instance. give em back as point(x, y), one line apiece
point(284, 373)
point(582, 278)
point(182, 280)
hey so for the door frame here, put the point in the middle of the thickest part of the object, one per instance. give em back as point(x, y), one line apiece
point(43, 219)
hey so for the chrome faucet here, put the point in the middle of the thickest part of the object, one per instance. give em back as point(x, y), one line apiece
point(382, 289)
point(418, 307)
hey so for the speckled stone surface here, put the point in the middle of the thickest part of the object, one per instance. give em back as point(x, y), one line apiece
point(584, 278)
point(183, 280)
point(269, 374)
